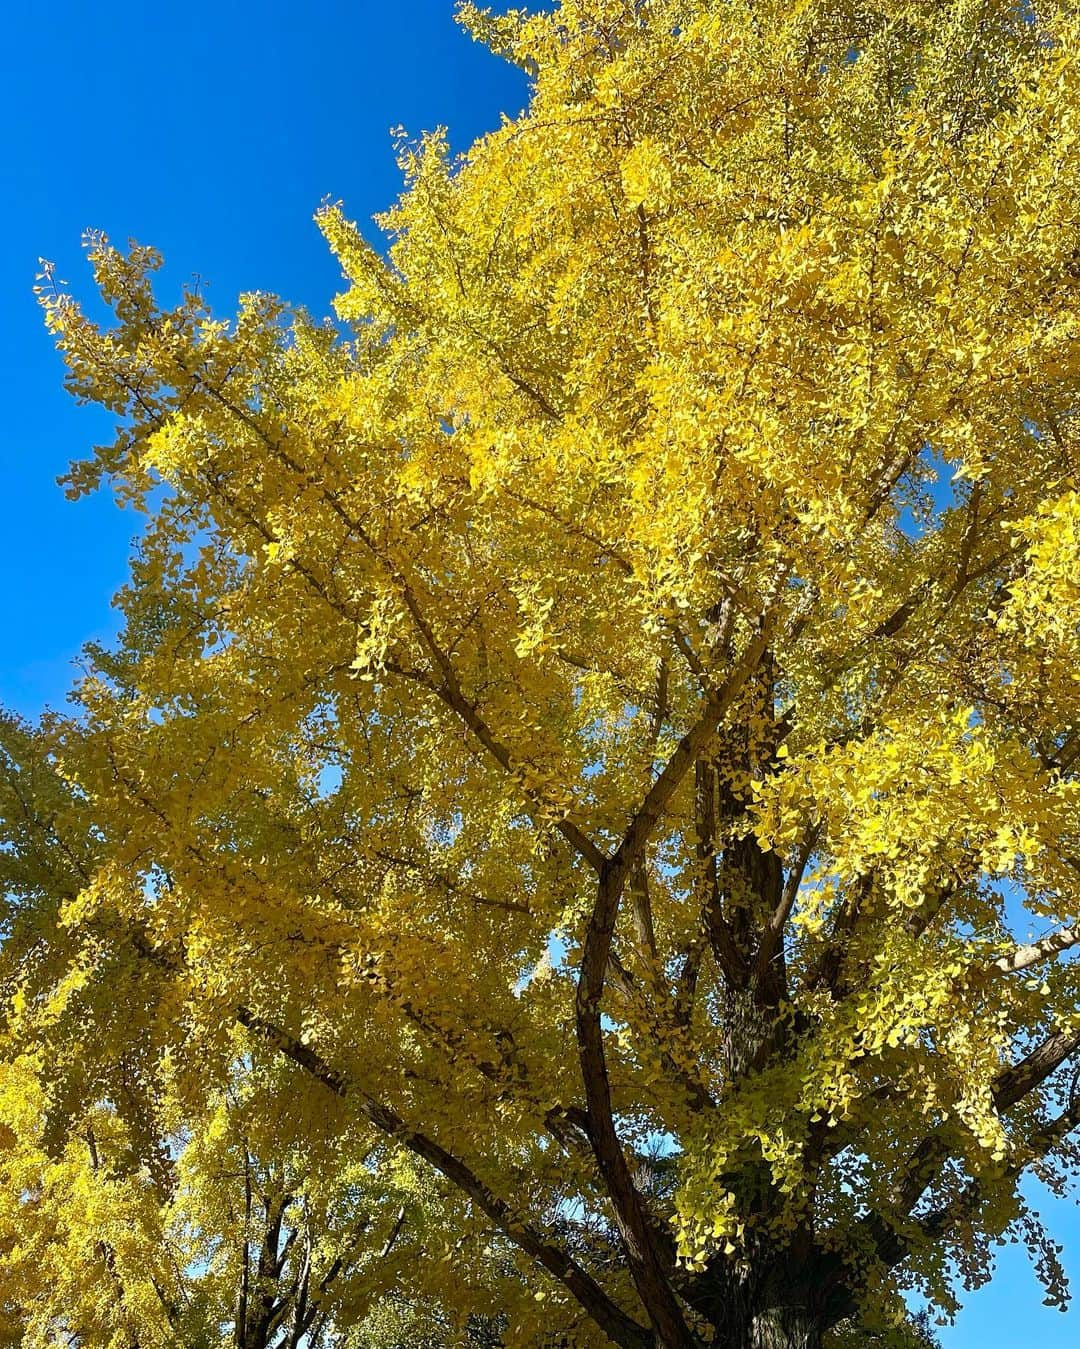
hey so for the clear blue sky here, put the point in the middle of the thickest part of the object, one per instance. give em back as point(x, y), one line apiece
point(213, 131)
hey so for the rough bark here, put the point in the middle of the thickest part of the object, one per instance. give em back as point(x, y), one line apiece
point(776, 1302)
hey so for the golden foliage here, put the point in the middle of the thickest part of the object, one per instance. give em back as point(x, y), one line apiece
point(618, 682)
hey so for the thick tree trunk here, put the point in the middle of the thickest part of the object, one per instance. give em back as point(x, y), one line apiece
point(791, 1327)
point(779, 1305)
point(783, 1326)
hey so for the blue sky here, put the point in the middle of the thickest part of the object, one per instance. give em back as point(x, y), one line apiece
point(213, 131)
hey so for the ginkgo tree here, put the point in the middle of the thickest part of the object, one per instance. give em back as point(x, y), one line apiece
point(590, 763)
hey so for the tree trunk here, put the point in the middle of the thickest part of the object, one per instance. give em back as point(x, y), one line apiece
point(785, 1327)
point(780, 1304)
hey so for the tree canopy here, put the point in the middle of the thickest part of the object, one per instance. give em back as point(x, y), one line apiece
point(577, 841)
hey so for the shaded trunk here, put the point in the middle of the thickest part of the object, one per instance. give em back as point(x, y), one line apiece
point(781, 1307)
point(791, 1327)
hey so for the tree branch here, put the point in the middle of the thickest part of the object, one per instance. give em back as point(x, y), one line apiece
point(647, 1270)
point(774, 929)
point(1023, 957)
point(622, 1329)
point(615, 1323)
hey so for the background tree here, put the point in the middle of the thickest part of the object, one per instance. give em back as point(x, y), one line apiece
point(613, 696)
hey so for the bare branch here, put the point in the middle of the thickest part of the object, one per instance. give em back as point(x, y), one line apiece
point(1030, 1072)
point(773, 933)
point(1023, 957)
